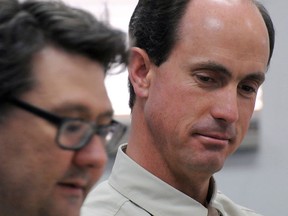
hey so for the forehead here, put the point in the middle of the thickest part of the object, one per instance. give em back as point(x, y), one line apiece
point(232, 28)
point(218, 14)
point(231, 17)
point(64, 78)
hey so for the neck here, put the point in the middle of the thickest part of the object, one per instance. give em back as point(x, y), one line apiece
point(143, 150)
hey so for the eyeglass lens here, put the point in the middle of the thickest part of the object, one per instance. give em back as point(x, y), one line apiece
point(75, 134)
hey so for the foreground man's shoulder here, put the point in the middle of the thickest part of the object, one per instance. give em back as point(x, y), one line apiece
point(104, 200)
point(225, 204)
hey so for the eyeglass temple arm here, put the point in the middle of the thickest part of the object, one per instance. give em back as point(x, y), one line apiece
point(41, 113)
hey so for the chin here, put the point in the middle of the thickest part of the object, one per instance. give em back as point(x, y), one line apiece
point(64, 207)
point(72, 209)
point(75, 212)
point(69, 211)
point(215, 164)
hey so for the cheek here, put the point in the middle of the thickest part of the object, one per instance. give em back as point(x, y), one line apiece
point(37, 158)
point(245, 115)
point(31, 175)
point(95, 175)
point(174, 101)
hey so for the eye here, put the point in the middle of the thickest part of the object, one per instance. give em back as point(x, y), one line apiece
point(209, 79)
point(74, 127)
point(204, 78)
point(248, 89)
point(103, 130)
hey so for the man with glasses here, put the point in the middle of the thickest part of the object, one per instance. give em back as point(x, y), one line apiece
point(56, 117)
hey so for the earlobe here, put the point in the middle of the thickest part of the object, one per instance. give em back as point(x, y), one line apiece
point(139, 67)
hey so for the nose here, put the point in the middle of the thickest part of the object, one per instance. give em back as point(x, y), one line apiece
point(93, 155)
point(225, 106)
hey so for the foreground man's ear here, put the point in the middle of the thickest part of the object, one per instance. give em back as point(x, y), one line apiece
point(138, 69)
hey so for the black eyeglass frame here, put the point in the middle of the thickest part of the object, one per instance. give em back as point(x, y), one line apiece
point(58, 121)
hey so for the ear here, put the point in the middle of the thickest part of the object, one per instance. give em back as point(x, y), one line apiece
point(139, 67)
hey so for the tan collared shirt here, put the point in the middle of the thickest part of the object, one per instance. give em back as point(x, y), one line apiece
point(133, 191)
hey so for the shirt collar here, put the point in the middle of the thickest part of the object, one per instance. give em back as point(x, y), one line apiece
point(150, 192)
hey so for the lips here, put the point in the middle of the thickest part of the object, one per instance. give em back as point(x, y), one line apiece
point(73, 187)
point(214, 140)
point(70, 185)
point(213, 135)
point(215, 131)
point(217, 136)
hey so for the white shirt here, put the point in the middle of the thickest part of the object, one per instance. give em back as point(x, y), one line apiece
point(133, 191)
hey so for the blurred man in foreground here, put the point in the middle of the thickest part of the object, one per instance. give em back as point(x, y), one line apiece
point(56, 117)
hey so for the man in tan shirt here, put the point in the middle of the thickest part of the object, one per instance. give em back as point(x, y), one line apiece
point(194, 73)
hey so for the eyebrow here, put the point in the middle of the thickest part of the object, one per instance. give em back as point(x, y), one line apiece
point(83, 110)
point(213, 66)
point(259, 76)
point(107, 114)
